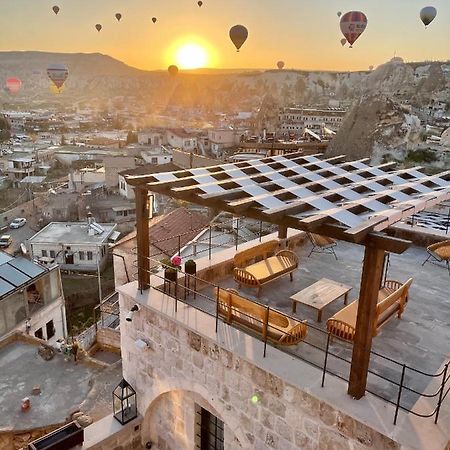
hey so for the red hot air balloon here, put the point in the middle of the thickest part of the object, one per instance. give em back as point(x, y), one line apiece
point(118, 17)
point(58, 73)
point(56, 9)
point(173, 70)
point(154, 19)
point(353, 25)
point(13, 85)
point(98, 27)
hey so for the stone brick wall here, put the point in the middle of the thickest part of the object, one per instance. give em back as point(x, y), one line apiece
point(15, 440)
point(260, 410)
point(107, 337)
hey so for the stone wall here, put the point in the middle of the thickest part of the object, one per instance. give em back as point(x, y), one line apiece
point(15, 440)
point(260, 410)
point(28, 210)
point(107, 337)
point(188, 160)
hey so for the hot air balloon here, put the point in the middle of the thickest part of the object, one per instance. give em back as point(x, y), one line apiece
point(371, 68)
point(173, 70)
point(98, 27)
point(238, 35)
point(280, 65)
point(118, 17)
point(200, 3)
point(56, 9)
point(353, 25)
point(339, 14)
point(13, 85)
point(154, 19)
point(343, 41)
point(428, 14)
point(58, 73)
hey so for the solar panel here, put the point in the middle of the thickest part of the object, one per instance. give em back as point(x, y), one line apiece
point(12, 275)
point(28, 267)
point(4, 258)
point(5, 287)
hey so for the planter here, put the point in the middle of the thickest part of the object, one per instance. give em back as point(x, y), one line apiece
point(190, 267)
point(64, 438)
point(170, 274)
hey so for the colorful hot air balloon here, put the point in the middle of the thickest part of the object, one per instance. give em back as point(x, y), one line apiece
point(280, 65)
point(173, 70)
point(118, 17)
point(200, 3)
point(98, 27)
point(353, 25)
point(13, 85)
point(339, 14)
point(58, 73)
point(56, 9)
point(343, 41)
point(238, 35)
point(428, 14)
point(154, 19)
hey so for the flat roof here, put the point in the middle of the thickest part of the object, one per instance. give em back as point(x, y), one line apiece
point(72, 233)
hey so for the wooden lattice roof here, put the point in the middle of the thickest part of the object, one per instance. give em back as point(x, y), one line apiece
point(348, 200)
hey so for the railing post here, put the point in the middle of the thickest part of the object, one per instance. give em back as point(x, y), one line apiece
point(210, 242)
point(397, 406)
point(237, 233)
point(260, 230)
point(267, 330)
point(179, 244)
point(176, 291)
point(326, 360)
point(217, 308)
point(441, 393)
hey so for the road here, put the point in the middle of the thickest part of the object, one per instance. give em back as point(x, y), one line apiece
point(18, 236)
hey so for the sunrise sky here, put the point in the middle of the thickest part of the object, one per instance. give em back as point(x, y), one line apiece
point(303, 33)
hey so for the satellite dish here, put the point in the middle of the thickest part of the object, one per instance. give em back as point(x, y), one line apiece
point(23, 248)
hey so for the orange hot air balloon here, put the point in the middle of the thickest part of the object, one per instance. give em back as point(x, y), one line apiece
point(56, 9)
point(118, 17)
point(154, 19)
point(13, 85)
point(238, 35)
point(98, 27)
point(353, 25)
point(280, 65)
point(173, 70)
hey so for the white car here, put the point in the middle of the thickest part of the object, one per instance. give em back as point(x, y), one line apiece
point(18, 223)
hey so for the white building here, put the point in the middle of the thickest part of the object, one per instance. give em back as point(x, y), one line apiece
point(20, 167)
point(223, 138)
point(295, 120)
point(179, 138)
point(31, 299)
point(76, 246)
point(155, 138)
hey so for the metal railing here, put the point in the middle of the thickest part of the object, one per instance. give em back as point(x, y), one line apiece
point(329, 347)
point(431, 220)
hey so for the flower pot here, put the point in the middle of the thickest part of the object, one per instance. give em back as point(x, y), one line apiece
point(170, 274)
point(190, 267)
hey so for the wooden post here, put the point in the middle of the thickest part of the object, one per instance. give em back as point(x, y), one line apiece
point(282, 232)
point(368, 297)
point(143, 240)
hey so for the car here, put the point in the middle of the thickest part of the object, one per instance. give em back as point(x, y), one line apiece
point(18, 223)
point(5, 241)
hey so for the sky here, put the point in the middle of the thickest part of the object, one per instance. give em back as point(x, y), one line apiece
point(303, 33)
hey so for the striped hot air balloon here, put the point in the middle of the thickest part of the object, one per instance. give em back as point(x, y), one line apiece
point(353, 25)
point(58, 73)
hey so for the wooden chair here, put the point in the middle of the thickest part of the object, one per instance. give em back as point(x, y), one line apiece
point(439, 253)
point(322, 244)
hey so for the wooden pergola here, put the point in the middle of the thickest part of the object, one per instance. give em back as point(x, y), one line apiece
point(349, 201)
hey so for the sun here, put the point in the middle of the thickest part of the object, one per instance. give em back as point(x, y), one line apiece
point(191, 56)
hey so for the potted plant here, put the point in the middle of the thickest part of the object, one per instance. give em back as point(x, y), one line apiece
point(171, 268)
point(190, 267)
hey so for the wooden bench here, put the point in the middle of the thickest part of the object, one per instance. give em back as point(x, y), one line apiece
point(392, 299)
point(274, 326)
point(264, 267)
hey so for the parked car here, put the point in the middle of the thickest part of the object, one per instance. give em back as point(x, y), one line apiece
point(5, 241)
point(18, 223)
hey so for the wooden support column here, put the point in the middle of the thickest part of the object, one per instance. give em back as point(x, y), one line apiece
point(282, 232)
point(143, 240)
point(365, 321)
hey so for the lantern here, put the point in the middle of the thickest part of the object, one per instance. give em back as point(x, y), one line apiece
point(124, 402)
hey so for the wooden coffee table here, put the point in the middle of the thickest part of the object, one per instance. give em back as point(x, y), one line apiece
point(320, 294)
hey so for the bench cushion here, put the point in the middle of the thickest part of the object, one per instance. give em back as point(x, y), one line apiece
point(270, 268)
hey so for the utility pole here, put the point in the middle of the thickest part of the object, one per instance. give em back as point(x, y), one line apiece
point(100, 295)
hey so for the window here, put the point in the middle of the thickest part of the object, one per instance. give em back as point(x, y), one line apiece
point(44, 253)
point(50, 328)
point(209, 430)
point(154, 160)
point(38, 334)
point(52, 253)
point(81, 254)
point(89, 256)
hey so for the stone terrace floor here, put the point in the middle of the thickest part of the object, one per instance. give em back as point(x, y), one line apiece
point(420, 339)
